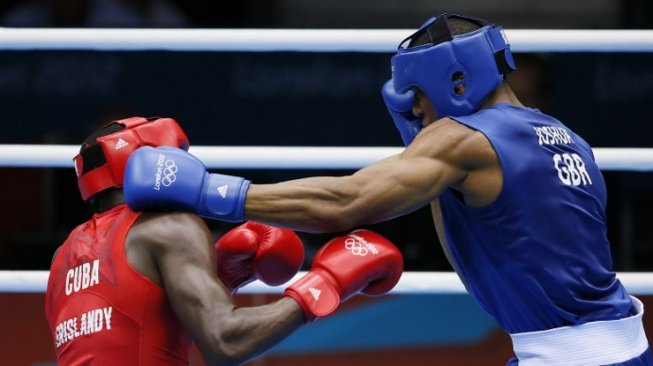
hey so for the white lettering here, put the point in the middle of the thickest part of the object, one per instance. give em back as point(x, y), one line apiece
point(69, 279)
point(84, 325)
point(563, 173)
point(552, 135)
point(107, 316)
point(82, 277)
point(580, 165)
point(571, 169)
point(92, 321)
point(159, 172)
point(77, 279)
point(98, 319)
point(71, 325)
point(557, 136)
point(86, 274)
point(569, 161)
point(538, 132)
point(58, 337)
point(545, 135)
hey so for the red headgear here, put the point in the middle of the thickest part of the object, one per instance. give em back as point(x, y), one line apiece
point(101, 162)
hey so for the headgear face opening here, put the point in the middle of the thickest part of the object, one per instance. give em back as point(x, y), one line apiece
point(456, 72)
point(100, 164)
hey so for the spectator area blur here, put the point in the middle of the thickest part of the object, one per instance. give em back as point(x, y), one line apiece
point(295, 99)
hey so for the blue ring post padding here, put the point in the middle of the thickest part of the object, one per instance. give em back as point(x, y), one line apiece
point(394, 322)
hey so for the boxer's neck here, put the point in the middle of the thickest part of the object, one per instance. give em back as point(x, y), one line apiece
point(107, 200)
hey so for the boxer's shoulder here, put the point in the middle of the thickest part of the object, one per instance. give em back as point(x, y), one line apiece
point(167, 228)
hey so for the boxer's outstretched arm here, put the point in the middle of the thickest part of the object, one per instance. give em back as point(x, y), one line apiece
point(327, 204)
point(182, 248)
point(441, 156)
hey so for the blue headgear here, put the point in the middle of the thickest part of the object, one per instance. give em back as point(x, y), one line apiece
point(477, 60)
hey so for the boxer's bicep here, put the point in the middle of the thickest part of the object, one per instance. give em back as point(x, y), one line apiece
point(438, 158)
point(402, 184)
point(182, 248)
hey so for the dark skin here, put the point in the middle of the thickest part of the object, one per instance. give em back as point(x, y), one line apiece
point(175, 251)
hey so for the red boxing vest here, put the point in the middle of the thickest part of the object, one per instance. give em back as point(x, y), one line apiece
point(101, 311)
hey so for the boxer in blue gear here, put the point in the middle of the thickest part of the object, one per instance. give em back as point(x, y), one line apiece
point(517, 199)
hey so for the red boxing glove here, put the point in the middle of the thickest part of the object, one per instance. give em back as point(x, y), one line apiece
point(257, 251)
point(361, 261)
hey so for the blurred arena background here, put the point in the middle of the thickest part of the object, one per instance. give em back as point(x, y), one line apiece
point(302, 99)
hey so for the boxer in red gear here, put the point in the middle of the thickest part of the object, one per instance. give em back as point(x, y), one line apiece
point(133, 288)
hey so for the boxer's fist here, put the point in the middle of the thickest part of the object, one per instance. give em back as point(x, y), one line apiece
point(257, 251)
point(361, 261)
point(172, 179)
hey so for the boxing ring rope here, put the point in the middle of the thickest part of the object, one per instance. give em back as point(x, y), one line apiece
point(303, 40)
point(256, 157)
point(277, 157)
point(410, 283)
point(294, 157)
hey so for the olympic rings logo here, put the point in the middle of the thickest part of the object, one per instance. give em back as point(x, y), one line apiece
point(169, 173)
point(355, 247)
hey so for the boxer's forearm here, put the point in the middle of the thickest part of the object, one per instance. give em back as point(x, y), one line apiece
point(375, 193)
point(319, 204)
point(247, 332)
point(299, 204)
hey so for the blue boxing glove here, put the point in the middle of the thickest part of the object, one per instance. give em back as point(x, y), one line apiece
point(400, 107)
point(172, 179)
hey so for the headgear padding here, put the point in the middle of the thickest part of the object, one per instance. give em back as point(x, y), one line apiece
point(101, 162)
point(456, 72)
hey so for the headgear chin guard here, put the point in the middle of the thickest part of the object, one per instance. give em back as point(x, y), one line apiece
point(456, 72)
point(101, 162)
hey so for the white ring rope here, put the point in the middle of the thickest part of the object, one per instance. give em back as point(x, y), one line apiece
point(637, 283)
point(303, 40)
point(283, 157)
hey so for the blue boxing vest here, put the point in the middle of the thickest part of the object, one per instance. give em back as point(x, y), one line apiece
point(537, 257)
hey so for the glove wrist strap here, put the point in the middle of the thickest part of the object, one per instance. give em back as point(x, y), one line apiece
point(317, 296)
point(224, 198)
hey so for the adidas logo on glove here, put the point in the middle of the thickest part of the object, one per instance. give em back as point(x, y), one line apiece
point(222, 190)
point(315, 293)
